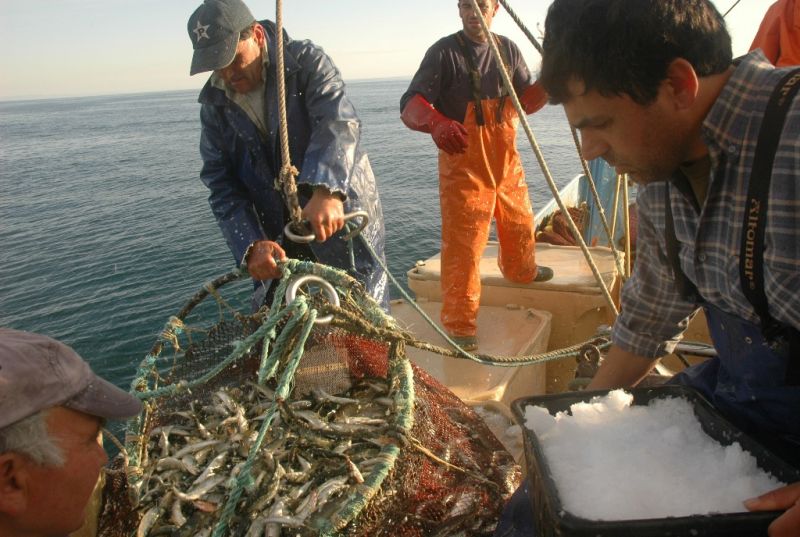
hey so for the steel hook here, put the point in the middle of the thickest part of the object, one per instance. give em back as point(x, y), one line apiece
point(306, 239)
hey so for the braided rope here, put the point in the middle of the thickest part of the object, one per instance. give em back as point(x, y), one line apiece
point(598, 204)
point(305, 320)
point(627, 222)
point(346, 320)
point(522, 27)
point(286, 177)
point(241, 349)
point(584, 165)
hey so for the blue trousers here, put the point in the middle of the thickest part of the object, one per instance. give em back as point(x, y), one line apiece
point(517, 517)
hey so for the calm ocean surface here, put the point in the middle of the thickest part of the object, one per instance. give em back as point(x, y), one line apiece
point(105, 230)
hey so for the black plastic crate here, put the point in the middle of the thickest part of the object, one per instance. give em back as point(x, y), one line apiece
point(553, 521)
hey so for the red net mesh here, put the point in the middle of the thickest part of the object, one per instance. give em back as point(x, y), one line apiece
point(452, 477)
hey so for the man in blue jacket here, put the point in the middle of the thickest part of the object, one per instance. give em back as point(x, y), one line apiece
point(240, 147)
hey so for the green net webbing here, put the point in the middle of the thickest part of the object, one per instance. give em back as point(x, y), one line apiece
point(274, 424)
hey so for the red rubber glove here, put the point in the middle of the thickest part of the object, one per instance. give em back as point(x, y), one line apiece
point(533, 98)
point(449, 135)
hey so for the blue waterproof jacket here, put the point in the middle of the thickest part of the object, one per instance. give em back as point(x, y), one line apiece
point(240, 168)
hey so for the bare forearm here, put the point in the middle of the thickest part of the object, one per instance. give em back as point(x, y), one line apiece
point(621, 369)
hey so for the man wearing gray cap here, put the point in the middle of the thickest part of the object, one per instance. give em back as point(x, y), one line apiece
point(52, 409)
point(241, 150)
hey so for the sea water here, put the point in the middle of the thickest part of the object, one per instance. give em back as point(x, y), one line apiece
point(105, 230)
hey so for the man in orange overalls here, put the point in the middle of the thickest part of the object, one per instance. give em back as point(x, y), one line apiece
point(778, 36)
point(457, 95)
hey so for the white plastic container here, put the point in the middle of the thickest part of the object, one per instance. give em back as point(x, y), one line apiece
point(573, 297)
point(506, 331)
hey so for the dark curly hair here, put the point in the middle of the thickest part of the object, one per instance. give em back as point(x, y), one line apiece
point(623, 47)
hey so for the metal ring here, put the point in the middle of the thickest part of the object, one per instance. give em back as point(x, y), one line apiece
point(294, 285)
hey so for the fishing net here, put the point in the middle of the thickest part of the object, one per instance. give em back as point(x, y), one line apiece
point(274, 424)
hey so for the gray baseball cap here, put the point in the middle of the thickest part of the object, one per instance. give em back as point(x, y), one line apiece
point(214, 29)
point(38, 372)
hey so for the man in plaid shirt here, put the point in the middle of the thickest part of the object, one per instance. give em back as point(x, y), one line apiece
point(654, 91)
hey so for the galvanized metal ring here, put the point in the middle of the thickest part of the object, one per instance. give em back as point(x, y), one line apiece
point(295, 283)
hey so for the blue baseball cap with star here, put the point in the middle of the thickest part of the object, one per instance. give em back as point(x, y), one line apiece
point(214, 29)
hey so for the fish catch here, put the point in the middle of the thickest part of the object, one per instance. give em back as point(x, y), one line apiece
point(314, 455)
point(342, 436)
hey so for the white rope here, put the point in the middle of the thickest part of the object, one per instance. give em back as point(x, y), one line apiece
point(627, 222)
point(598, 204)
point(545, 170)
point(584, 165)
point(616, 206)
point(288, 172)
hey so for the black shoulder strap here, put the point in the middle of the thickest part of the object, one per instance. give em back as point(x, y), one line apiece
point(504, 56)
point(686, 288)
point(751, 264)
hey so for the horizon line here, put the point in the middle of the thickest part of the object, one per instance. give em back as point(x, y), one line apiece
point(24, 98)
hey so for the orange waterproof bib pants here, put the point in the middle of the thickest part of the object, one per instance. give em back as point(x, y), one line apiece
point(485, 181)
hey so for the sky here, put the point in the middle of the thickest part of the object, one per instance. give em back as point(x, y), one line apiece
point(61, 48)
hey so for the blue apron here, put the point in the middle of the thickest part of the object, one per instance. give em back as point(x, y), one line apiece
point(747, 382)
